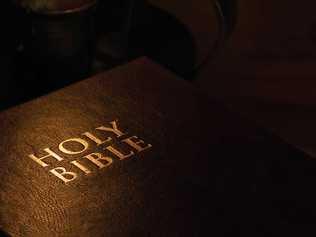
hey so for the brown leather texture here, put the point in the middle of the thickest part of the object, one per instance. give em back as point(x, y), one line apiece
point(208, 171)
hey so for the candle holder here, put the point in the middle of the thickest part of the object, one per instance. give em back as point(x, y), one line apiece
point(59, 42)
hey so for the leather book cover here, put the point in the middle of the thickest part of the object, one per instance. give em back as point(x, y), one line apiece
point(138, 152)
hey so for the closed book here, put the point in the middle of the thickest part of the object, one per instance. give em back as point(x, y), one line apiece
point(138, 152)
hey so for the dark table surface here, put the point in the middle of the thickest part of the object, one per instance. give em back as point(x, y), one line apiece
point(268, 70)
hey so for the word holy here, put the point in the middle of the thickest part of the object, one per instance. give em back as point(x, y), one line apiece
point(80, 145)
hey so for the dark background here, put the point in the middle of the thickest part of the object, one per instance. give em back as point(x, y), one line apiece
point(267, 71)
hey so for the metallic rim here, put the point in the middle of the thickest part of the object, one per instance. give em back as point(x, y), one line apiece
point(68, 11)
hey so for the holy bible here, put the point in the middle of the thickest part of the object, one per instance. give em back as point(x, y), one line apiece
point(138, 152)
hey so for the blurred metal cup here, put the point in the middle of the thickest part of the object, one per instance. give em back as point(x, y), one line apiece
point(62, 42)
